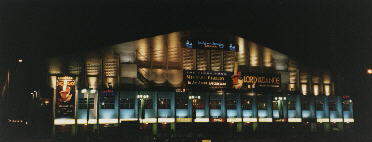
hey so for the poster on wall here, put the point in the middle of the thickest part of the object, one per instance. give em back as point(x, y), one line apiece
point(251, 79)
point(65, 97)
point(206, 80)
point(210, 44)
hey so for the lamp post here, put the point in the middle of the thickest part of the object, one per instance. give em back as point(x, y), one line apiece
point(140, 111)
point(87, 93)
point(194, 101)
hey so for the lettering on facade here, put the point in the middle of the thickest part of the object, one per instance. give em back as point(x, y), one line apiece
point(216, 45)
point(206, 79)
point(247, 80)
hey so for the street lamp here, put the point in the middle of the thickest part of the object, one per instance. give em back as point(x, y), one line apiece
point(140, 111)
point(87, 93)
point(194, 101)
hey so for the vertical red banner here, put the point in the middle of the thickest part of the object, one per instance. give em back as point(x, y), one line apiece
point(65, 97)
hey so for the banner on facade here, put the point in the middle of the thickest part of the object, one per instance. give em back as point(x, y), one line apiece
point(65, 97)
point(209, 44)
point(250, 79)
point(206, 79)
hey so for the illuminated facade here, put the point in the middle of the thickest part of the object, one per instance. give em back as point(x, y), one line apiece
point(186, 77)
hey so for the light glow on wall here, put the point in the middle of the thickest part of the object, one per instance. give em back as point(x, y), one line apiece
point(201, 120)
point(327, 89)
point(253, 54)
point(265, 119)
point(92, 82)
point(241, 53)
point(267, 57)
point(143, 50)
point(316, 89)
point(249, 119)
point(304, 89)
point(294, 119)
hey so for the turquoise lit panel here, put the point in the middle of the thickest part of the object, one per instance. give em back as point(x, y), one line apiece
point(319, 114)
point(149, 113)
point(275, 113)
point(164, 113)
point(107, 113)
point(200, 112)
point(333, 114)
point(232, 113)
point(216, 112)
point(127, 113)
point(247, 113)
point(262, 113)
point(347, 114)
point(306, 113)
point(181, 113)
point(291, 113)
point(82, 114)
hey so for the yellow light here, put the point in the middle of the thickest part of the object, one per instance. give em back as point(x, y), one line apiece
point(369, 71)
point(184, 119)
point(265, 119)
point(316, 90)
point(249, 120)
point(20, 60)
point(294, 119)
point(327, 90)
point(304, 89)
point(201, 120)
point(232, 120)
point(166, 120)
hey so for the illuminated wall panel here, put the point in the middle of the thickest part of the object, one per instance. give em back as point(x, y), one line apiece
point(267, 57)
point(202, 58)
point(55, 66)
point(188, 59)
point(216, 60)
point(93, 66)
point(254, 59)
point(158, 51)
point(158, 75)
point(174, 57)
point(229, 60)
point(316, 89)
point(74, 68)
point(143, 50)
point(175, 77)
point(242, 59)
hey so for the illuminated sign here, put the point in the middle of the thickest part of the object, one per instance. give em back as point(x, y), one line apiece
point(204, 44)
point(217, 120)
point(247, 80)
point(206, 79)
point(65, 97)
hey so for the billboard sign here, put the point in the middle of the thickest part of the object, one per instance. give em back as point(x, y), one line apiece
point(208, 44)
point(65, 97)
point(251, 79)
point(206, 79)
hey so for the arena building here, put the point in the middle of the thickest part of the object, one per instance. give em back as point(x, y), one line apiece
point(193, 77)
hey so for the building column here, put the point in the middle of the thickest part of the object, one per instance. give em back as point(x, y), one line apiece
point(189, 108)
point(136, 106)
point(173, 110)
point(312, 107)
point(223, 106)
point(239, 125)
point(254, 113)
point(327, 125)
point(269, 108)
point(298, 106)
point(155, 104)
point(206, 105)
point(339, 112)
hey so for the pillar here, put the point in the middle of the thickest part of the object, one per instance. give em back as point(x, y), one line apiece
point(223, 106)
point(269, 108)
point(298, 106)
point(312, 107)
point(206, 105)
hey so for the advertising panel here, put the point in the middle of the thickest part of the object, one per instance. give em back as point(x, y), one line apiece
point(206, 79)
point(65, 97)
point(250, 79)
point(208, 44)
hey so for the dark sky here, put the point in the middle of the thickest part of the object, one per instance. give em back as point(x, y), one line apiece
point(330, 34)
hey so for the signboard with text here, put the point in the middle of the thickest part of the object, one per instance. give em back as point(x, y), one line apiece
point(208, 44)
point(249, 80)
point(206, 79)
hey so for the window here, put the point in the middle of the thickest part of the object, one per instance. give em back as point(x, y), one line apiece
point(107, 102)
point(291, 105)
point(163, 103)
point(147, 103)
point(319, 105)
point(332, 106)
point(198, 103)
point(82, 103)
point(346, 105)
point(247, 104)
point(275, 105)
point(231, 104)
point(262, 105)
point(305, 105)
point(126, 103)
point(181, 103)
point(215, 104)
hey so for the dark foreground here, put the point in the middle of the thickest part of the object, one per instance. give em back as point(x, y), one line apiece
point(191, 134)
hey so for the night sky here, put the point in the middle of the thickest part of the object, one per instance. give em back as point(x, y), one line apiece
point(329, 34)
